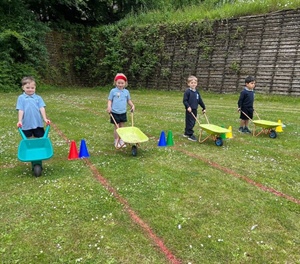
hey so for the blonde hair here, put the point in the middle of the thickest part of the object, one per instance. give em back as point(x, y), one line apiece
point(27, 80)
point(192, 78)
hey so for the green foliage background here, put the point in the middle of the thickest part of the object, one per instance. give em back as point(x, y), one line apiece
point(126, 34)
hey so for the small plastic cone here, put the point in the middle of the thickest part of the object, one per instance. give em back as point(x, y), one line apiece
point(170, 141)
point(83, 152)
point(223, 135)
point(162, 140)
point(229, 134)
point(279, 128)
point(73, 154)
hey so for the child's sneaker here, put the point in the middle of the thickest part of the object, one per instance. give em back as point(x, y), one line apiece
point(246, 130)
point(122, 144)
point(192, 138)
point(117, 144)
point(184, 135)
point(241, 130)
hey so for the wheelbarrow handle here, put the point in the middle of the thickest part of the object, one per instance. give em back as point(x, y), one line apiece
point(195, 118)
point(47, 131)
point(21, 133)
point(247, 116)
point(206, 117)
point(112, 117)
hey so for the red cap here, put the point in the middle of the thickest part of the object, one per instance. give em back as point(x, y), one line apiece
point(120, 76)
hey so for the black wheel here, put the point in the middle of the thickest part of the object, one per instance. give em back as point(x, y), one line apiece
point(134, 150)
point(37, 170)
point(273, 134)
point(219, 142)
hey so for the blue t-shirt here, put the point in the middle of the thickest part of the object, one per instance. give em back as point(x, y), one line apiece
point(119, 98)
point(30, 105)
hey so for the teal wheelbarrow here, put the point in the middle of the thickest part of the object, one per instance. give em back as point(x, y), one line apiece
point(35, 150)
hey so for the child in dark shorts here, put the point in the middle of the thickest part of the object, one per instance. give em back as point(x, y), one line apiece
point(245, 104)
point(118, 99)
point(31, 112)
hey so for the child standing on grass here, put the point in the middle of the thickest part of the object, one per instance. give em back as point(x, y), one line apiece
point(31, 113)
point(31, 110)
point(245, 104)
point(191, 100)
point(118, 99)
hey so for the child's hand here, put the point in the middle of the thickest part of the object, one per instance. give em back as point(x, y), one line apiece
point(239, 109)
point(108, 110)
point(48, 122)
point(189, 109)
point(203, 111)
point(19, 124)
point(132, 108)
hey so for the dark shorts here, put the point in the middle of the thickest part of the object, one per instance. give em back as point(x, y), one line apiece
point(248, 112)
point(120, 118)
point(37, 132)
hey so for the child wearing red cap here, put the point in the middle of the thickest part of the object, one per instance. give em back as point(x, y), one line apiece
point(118, 99)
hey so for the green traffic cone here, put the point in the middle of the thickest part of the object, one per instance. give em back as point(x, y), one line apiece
point(170, 141)
point(223, 135)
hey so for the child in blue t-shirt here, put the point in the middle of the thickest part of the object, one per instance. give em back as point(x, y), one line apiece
point(118, 99)
point(31, 110)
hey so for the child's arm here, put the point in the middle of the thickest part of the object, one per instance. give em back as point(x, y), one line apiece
point(43, 113)
point(109, 102)
point(20, 118)
point(131, 105)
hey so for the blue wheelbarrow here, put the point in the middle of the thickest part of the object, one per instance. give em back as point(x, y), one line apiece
point(35, 150)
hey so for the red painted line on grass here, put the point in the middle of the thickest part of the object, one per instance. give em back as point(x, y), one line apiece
point(134, 216)
point(237, 175)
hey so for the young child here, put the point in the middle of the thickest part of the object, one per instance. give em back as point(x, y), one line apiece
point(245, 104)
point(191, 100)
point(31, 110)
point(118, 99)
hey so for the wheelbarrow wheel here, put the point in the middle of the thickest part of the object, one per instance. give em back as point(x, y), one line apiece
point(273, 134)
point(37, 170)
point(219, 142)
point(134, 150)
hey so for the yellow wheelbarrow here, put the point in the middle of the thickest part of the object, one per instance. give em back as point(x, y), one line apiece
point(129, 135)
point(268, 127)
point(212, 131)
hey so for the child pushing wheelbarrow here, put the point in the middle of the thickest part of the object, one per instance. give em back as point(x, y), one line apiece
point(35, 145)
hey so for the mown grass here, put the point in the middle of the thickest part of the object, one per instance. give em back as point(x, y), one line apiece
point(208, 204)
point(208, 10)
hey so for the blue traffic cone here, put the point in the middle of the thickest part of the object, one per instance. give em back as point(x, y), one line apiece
point(162, 140)
point(83, 152)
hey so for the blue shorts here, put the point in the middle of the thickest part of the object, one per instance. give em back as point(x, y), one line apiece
point(119, 118)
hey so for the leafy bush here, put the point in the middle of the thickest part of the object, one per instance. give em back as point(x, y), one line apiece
point(22, 49)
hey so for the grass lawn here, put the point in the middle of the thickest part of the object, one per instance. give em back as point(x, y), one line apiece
point(190, 203)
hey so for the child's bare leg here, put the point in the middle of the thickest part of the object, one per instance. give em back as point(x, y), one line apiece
point(115, 133)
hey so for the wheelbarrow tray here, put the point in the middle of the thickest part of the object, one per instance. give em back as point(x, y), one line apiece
point(132, 135)
point(266, 124)
point(214, 129)
point(35, 149)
